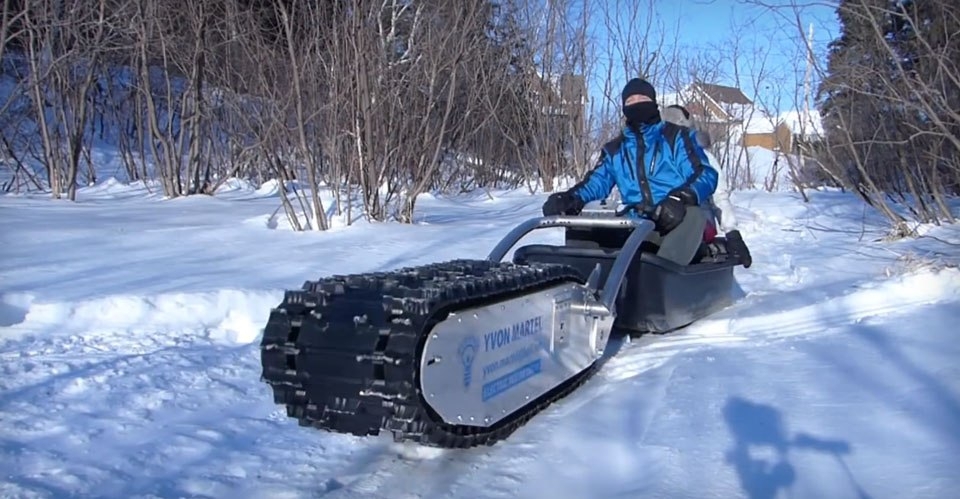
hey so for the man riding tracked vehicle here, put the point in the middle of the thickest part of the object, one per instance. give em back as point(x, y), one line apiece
point(661, 172)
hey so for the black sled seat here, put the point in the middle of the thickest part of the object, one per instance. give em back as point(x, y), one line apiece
point(656, 295)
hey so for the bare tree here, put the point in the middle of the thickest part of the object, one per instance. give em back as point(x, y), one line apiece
point(11, 25)
point(63, 42)
point(442, 75)
point(302, 54)
point(891, 106)
point(378, 100)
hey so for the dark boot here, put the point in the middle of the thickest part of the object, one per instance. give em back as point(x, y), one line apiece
point(738, 249)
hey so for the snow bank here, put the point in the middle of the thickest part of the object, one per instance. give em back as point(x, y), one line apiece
point(230, 316)
point(852, 305)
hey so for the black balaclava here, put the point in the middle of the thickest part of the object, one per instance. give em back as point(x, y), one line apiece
point(640, 113)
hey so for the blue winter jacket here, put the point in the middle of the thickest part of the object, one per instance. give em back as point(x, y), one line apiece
point(658, 177)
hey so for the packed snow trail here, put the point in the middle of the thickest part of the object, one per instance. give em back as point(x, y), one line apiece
point(131, 367)
point(102, 396)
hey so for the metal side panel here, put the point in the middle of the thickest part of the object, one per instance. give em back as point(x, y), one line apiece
point(482, 364)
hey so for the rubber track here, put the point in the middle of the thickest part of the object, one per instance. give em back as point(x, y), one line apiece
point(342, 354)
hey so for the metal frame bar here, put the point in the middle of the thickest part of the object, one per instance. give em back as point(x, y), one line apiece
point(622, 263)
point(639, 228)
point(517, 233)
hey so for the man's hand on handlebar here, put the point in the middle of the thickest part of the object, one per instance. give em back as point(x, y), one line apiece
point(562, 203)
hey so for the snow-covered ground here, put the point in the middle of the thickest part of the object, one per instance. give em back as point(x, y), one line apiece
point(129, 330)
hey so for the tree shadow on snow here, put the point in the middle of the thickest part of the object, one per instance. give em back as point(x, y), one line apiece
point(933, 405)
point(941, 406)
point(759, 427)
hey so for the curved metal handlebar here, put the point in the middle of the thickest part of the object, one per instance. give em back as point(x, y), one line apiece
point(517, 233)
point(639, 229)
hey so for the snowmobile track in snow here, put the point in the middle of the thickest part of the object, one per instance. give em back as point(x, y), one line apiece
point(343, 352)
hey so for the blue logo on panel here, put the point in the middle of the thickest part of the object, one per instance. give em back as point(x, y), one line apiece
point(468, 352)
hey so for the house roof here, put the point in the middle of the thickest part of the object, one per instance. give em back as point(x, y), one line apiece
point(724, 94)
point(712, 102)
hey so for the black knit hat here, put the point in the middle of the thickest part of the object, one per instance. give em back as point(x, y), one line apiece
point(638, 86)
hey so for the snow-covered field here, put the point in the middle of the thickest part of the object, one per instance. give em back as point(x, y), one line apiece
point(129, 330)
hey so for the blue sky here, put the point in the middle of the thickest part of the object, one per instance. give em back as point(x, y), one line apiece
point(710, 26)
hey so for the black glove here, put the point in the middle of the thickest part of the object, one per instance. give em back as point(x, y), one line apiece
point(562, 203)
point(738, 248)
point(668, 214)
point(686, 195)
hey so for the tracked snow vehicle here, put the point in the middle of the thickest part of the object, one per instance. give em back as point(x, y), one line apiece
point(462, 353)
